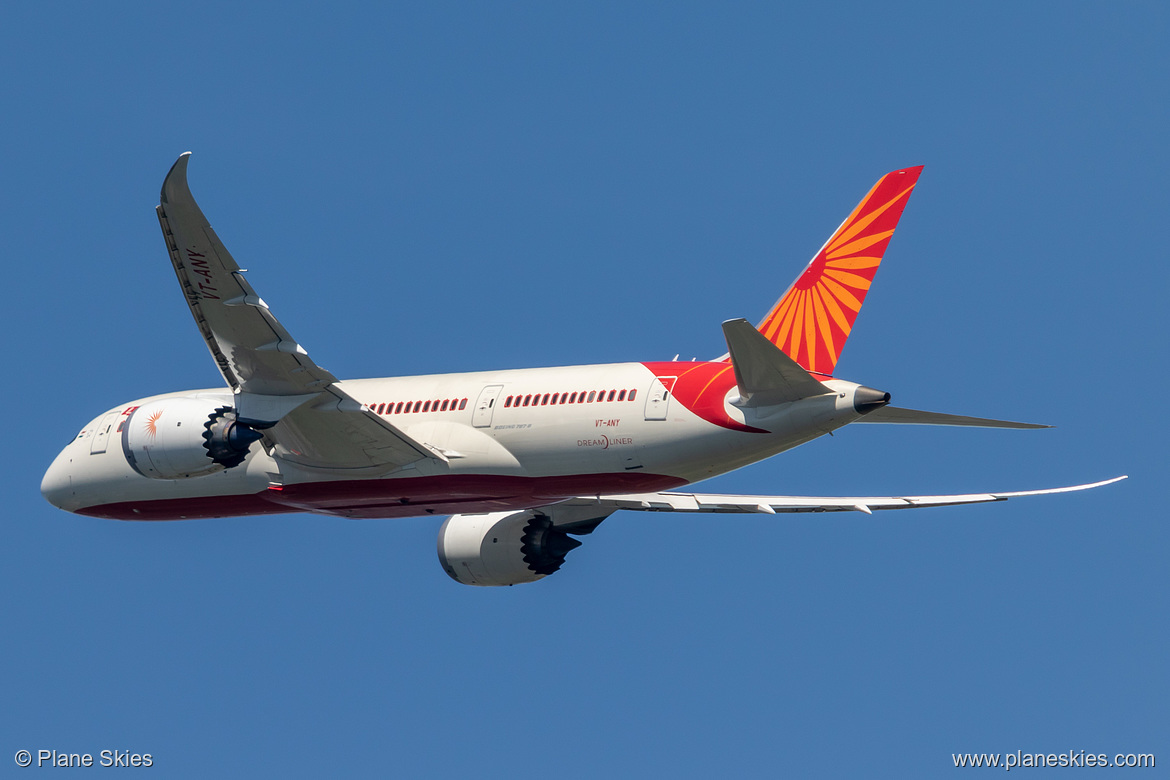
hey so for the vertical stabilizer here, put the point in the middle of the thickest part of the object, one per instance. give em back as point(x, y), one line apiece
point(812, 320)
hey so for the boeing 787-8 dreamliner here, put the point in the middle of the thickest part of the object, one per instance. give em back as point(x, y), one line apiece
point(524, 461)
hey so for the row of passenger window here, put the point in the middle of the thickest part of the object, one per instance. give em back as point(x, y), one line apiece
point(458, 404)
point(407, 407)
point(583, 397)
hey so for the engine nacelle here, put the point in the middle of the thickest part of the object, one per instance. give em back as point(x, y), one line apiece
point(178, 438)
point(502, 548)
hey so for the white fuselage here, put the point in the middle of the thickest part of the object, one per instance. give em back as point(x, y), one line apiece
point(516, 438)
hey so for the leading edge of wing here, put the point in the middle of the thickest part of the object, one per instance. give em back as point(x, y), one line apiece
point(733, 504)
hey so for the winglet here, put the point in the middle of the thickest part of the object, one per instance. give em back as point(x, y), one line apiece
point(764, 374)
point(812, 320)
point(176, 178)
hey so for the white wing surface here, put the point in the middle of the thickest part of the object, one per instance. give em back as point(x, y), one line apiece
point(274, 380)
point(705, 502)
point(336, 432)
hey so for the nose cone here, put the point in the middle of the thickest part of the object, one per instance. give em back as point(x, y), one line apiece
point(57, 485)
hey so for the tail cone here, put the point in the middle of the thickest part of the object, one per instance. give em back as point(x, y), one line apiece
point(866, 399)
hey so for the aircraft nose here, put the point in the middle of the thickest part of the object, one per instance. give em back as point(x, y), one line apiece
point(57, 485)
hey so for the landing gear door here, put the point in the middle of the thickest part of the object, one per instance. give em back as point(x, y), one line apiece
point(658, 398)
point(485, 406)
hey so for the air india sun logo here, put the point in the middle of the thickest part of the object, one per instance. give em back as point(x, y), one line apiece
point(813, 319)
point(152, 424)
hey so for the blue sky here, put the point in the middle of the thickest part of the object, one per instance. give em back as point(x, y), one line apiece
point(473, 186)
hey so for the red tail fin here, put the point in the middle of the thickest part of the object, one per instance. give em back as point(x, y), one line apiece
point(812, 320)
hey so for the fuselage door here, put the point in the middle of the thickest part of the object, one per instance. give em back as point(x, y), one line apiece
point(485, 406)
point(658, 399)
point(102, 434)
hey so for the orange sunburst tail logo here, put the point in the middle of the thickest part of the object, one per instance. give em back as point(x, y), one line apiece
point(812, 320)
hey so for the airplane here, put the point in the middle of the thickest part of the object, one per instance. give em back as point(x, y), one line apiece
point(524, 461)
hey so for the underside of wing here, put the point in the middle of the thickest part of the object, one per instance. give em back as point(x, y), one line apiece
point(732, 504)
point(252, 349)
point(278, 388)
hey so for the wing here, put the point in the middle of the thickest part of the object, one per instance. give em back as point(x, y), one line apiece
point(701, 502)
point(252, 349)
point(310, 420)
point(336, 432)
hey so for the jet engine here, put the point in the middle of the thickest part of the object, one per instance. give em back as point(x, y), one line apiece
point(503, 548)
point(177, 438)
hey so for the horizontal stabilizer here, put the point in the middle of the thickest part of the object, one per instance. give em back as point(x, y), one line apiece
point(766, 375)
point(893, 414)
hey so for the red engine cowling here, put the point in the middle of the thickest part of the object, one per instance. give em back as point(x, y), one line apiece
point(180, 438)
point(502, 548)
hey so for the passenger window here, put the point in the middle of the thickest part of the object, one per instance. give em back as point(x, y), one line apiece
point(622, 395)
point(409, 406)
point(544, 402)
point(507, 402)
point(381, 407)
point(592, 394)
point(527, 400)
point(399, 409)
point(632, 394)
point(445, 403)
point(612, 393)
point(427, 406)
point(463, 404)
point(555, 396)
